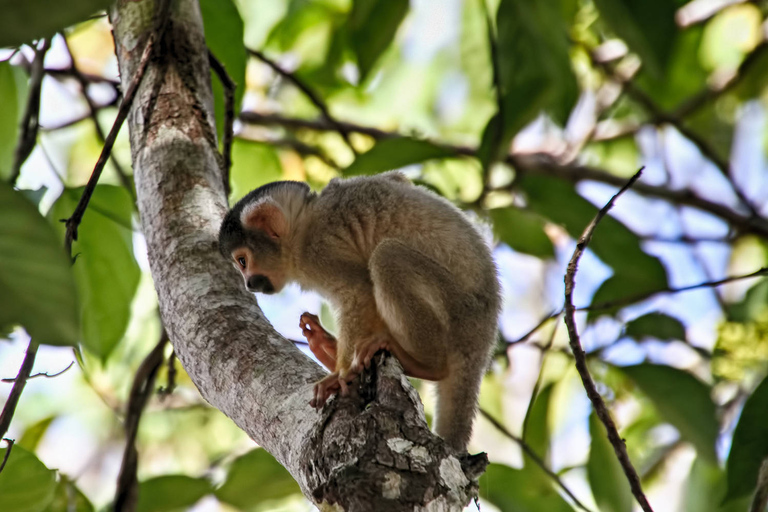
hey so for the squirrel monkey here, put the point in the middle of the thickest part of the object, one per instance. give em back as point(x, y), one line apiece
point(404, 269)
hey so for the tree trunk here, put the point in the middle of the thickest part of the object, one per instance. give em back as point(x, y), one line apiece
point(369, 451)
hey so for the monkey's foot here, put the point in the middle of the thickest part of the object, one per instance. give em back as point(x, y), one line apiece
point(320, 341)
point(328, 386)
point(365, 351)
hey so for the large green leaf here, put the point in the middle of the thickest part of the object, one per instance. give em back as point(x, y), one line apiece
point(22, 22)
point(647, 26)
point(395, 153)
point(106, 271)
point(523, 231)
point(537, 432)
point(656, 325)
point(682, 400)
point(750, 444)
point(253, 165)
point(255, 478)
point(68, 498)
point(372, 27)
point(26, 485)
point(224, 37)
point(169, 493)
point(521, 490)
point(705, 489)
point(38, 288)
point(606, 477)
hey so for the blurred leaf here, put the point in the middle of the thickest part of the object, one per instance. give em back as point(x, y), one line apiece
point(647, 26)
point(750, 444)
point(523, 231)
point(606, 477)
point(224, 37)
point(22, 22)
point(389, 154)
point(520, 490)
point(169, 493)
point(106, 271)
point(372, 26)
point(9, 119)
point(34, 433)
point(656, 325)
point(38, 288)
point(705, 489)
point(68, 498)
point(618, 156)
point(253, 164)
point(26, 485)
point(255, 478)
point(682, 400)
point(729, 36)
point(752, 306)
point(537, 432)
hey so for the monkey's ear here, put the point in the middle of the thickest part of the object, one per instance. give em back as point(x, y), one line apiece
point(265, 216)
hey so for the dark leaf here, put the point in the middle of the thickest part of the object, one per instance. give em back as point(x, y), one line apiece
point(22, 22)
point(169, 493)
point(537, 432)
point(606, 477)
point(9, 118)
point(521, 490)
point(254, 478)
point(523, 231)
point(656, 325)
point(372, 27)
point(395, 153)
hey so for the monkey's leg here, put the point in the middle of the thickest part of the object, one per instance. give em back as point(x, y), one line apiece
point(321, 342)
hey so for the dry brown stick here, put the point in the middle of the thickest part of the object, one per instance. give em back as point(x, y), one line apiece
point(73, 222)
point(141, 391)
point(229, 116)
point(7, 453)
point(43, 374)
point(18, 386)
point(581, 361)
point(534, 457)
point(309, 93)
point(30, 122)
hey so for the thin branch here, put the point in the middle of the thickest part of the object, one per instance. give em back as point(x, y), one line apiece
point(581, 362)
point(42, 374)
point(309, 93)
point(542, 323)
point(141, 391)
point(73, 222)
point(321, 125)
point(534, 457)
point(760, 498)
point(171, 384)
point(9, 442)
point(229, 116)
point(62, 73)
point(80, 119)
point(30, 122)
point(21, 380)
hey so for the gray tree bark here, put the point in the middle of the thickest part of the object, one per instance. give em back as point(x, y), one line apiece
point(369, 451)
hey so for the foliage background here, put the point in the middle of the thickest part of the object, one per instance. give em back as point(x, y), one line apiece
point(528, 125)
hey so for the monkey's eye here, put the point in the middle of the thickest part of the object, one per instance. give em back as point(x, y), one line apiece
point(241, 261)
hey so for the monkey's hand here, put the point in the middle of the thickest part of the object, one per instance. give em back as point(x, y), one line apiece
point(320, 341)
point(329, 386)
point(365, 351)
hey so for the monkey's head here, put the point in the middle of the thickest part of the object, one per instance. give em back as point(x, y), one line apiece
point(254, 232)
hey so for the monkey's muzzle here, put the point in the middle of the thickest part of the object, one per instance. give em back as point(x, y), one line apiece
point(260, 284)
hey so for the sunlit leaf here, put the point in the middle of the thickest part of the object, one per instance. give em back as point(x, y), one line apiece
point(395, 153)
point(521, 490)
point(106, 271)
point(22, 22)
point(372, 26)
point(26, 485)
point(253, 165)
point(254, 478)
point(68, 498)
point(682, 400)
point(169, 493)
point(9, 118)
point(523, 231)
point(606, 477)
point(705, 489)
point(750, 444)
point(656, 325)
point(32, 435)
point(38, 288)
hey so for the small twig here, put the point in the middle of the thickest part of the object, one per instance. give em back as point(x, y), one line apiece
point(309, 93)
point(534, 457)
point(760, 498)
point(30, 122)
point(79, 119)
point(9, 442)
point(18, 387)
point(42, 374)
point(581, 361)
point(73, 222)
point(538, 326)
point(61, 73)
point(141, 390)
point(229, 116)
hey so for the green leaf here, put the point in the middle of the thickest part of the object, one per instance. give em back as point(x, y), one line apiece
point(9, 119)
point(106, 272)
point(395, 153)
point(224, 37)
point(372, 26)
point(750, 444)
point(606, 477)
point(38, 288)
point(254, 478)
point(705, 489)
point(253, 164)
point(682, 400)
point(22, 22)
point(537, 432)
point(26, 485)
point(34, 433)
point(68, 498)
point(171, 492)
point(523, 231)
point(656, 325)
point(647, 26)
point(520, 490)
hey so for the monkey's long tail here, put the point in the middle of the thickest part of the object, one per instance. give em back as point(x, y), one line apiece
point(456, 406)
